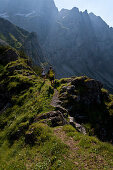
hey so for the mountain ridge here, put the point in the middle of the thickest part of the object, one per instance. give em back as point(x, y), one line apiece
point(67, 125)
point(74, 42)
point(21, 40)
point(36, 132)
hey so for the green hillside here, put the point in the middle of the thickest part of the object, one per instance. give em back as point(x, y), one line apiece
point(12, 34)
point(21, 40)
point(33, 134)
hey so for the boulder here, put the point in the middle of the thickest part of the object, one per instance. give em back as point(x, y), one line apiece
point(62, 110)
point(55, 118)
point(77, 126)
point(81, 92)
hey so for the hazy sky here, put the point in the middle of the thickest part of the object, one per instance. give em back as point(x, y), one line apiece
point(103, 8)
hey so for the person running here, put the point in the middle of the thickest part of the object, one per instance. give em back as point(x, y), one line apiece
point(43, 74)
point(51, 75)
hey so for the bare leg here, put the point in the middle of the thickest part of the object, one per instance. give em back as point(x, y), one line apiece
point(52, 82)
point(44, 78)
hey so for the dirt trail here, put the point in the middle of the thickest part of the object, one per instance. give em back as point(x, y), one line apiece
point(55, 99)
point(65, 139)
point(69, 141)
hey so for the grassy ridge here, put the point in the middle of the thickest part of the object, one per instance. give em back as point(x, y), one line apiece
point(29, 96)
point(48, 152)
point(91, 152)
point(27, 144)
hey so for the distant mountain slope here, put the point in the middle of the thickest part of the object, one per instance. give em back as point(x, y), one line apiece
point(32, 15)
point(81, 43)
point(20, 39)
point(75, 42)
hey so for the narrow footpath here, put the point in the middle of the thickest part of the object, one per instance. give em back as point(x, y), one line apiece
point(55, 100)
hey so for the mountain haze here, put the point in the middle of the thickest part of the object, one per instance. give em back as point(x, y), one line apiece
point(21, 40)
point(81, 43)
point(32, 15)
point(48, 123)
point(74, 42)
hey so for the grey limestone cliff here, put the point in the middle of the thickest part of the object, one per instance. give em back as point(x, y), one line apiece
point(74, 42)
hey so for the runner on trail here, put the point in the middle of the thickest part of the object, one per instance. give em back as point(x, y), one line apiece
point(51, 75)
point(43, 74)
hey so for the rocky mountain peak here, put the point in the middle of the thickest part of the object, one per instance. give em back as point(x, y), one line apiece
point(26, 6)
point(76, 43)
point(74, 9)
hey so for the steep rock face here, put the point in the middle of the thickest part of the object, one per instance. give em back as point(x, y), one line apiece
point(75, 42)
point(77, 46)
point(32, 15)
point(21, 39)
point(32, 49)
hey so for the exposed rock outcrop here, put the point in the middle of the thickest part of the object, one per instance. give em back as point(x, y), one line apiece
point(87, 103)
point(84, 90)
point(77, 126)
point(53, 118)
